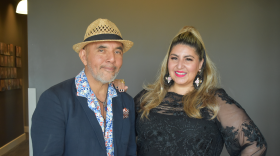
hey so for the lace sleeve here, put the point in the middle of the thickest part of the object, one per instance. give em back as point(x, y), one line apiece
point(241, 135)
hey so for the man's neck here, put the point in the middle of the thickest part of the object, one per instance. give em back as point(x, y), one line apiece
point(99, 89)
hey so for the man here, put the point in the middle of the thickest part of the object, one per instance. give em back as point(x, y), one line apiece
point(85, 115)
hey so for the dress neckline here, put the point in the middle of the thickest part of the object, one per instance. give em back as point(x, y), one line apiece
point(175, 93)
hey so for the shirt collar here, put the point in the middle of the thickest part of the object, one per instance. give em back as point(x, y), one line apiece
point(83, 88)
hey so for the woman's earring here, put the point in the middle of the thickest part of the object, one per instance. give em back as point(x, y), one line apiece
point(168, 78)
point(198, 80)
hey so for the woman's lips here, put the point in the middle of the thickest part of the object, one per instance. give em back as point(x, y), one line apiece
point(180, 73)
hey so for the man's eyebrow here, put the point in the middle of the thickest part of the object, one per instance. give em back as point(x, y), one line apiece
point(101, 46)
point(120, 48)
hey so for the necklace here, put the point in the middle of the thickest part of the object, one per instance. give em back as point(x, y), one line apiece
point(104, 107)
point(103, 103)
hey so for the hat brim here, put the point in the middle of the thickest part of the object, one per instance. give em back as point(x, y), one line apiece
point(126, 44)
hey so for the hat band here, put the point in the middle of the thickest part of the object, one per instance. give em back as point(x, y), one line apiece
point(103, 37)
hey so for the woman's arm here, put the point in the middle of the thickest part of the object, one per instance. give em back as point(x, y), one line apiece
point(241, 135)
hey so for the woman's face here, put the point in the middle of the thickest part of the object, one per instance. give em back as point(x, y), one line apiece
point(183, 65)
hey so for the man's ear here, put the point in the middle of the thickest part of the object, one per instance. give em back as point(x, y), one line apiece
point(83, 56)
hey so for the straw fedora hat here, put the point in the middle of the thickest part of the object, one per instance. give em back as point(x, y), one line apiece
point(102, 30)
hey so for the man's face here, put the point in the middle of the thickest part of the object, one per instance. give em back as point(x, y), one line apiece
point(102, 60)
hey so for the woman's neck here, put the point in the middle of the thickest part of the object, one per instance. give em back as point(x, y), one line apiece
point(179, 89)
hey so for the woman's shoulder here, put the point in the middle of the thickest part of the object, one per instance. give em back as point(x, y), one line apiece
point(138, 97)
point(229, 109)
point(141, 93)
point(224, 98)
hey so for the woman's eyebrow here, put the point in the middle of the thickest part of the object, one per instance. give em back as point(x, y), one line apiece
point(184, 56)
point(189, 56)
point(174, 55)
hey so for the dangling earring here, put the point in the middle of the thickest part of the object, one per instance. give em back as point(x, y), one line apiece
point(168, 80)
point(198, 80)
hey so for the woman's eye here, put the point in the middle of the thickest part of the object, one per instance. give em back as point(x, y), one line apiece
point(188, 59)
point(173, 58)
point(101, 50)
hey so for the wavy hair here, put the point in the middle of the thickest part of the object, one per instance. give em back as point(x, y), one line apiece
point(195, 100)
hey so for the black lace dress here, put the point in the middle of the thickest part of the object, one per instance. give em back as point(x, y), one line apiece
point(170, 132)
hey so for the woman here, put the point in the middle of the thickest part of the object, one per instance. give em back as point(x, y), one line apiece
point(185, 113)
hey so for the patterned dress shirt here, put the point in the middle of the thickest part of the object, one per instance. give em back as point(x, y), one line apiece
point(84, 90)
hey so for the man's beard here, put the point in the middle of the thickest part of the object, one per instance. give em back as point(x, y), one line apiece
point(99, 76)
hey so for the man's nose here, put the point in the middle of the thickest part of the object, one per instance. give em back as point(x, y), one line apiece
point(111, 56)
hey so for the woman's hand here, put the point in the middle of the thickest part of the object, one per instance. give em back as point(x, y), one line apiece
point(120, 85)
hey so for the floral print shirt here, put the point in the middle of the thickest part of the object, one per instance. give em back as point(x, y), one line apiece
point(84, 90)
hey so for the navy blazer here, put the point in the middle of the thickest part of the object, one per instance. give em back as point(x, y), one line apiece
point(63, 124)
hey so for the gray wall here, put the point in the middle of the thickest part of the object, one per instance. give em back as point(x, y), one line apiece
point(13, 103)
point(241, 37)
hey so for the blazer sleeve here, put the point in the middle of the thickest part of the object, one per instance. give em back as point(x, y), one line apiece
point(131, 148)
point(48, 126)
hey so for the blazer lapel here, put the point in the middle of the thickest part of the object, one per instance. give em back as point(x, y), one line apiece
point(117, 120)
point(93, 121)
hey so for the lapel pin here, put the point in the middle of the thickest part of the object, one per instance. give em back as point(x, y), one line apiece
point(125, 113)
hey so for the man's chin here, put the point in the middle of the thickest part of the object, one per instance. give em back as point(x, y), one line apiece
point(104, 77)
point(107, 79)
